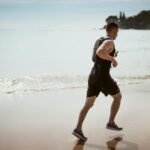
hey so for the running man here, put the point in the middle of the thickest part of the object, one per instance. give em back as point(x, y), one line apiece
point(100, 80)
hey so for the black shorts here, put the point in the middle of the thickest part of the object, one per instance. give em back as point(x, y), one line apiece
point(106, 85)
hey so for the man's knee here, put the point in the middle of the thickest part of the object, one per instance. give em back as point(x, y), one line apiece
point(117, 96)
point(90, 102)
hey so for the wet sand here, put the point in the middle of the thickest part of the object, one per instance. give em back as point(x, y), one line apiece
point(45, 120)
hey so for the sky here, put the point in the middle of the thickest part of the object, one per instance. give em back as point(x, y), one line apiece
point(64, 14)
point(66, 1)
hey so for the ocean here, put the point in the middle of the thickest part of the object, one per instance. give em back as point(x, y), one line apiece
point(34, 60)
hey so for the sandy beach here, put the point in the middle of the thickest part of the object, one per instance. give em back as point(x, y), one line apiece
point(45, 120)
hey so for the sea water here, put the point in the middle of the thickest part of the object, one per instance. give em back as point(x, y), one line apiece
point(50, 59)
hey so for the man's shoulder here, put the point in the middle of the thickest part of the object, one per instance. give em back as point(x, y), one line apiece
point(109, 42)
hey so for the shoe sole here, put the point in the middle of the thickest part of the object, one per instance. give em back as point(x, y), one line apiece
point(78, 136)
point(113, 129)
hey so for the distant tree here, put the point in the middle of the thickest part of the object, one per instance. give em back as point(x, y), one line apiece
point(122, 16)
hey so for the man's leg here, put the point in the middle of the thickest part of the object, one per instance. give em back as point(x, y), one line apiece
point(88, 104)
point(113, 111)
point(78, 130)
point(115, 106)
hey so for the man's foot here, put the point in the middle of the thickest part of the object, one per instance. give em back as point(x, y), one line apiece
point(79, 134)
point(113, 126)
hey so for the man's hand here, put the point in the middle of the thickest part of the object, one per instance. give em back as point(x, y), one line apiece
point(114, 63)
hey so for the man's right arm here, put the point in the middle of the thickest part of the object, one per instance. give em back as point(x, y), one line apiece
point(103, 52)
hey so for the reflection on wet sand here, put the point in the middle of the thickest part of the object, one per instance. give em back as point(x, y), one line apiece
point(79, 145)
point(110, 145)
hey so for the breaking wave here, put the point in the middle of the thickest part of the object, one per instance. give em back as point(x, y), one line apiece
point(57, 82)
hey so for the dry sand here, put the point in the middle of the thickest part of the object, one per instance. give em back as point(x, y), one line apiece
point(45, 120)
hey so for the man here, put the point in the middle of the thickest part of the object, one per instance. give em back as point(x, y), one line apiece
point(100, 80)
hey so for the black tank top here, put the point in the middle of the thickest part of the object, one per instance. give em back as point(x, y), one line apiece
point(101, 66)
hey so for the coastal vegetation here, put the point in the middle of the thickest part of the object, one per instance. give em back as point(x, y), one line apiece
point(139, 21)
